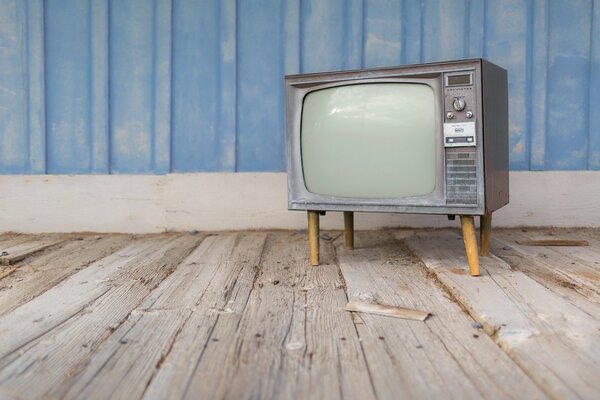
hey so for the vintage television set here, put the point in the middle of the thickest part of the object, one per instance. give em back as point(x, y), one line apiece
point(429, 138)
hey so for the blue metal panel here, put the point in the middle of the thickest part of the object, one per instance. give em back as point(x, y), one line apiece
point(506, 42)
point(14, 135)
point(568, 79)
point(384, 27)
point(99, 86)
point(35, 113)
point(260, 95)
point(196, 99)
point(131, 79)
point(200, 141)
point(68, 94)
point(412, 32)
point(330, 35)
point(594, 91)
point(22, 107)
point(161, 95)
point(445, 25)
point(539, 79)
point(227, 83)
point(152, 86)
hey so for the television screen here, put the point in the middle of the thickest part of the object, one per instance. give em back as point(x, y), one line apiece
point(374, 140)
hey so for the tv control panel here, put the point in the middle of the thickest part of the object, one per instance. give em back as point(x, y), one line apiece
point(459, 109)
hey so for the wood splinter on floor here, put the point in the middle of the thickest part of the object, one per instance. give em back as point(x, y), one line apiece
point(388, 311)
point(553, 242)
point(4, 272)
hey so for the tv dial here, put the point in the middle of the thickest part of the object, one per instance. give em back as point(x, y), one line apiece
point(459, 104)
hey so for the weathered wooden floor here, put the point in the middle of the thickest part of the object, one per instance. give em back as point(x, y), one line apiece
point(243, 316)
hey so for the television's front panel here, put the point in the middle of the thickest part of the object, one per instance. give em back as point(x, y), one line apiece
point(395, 140)
point(460, 138)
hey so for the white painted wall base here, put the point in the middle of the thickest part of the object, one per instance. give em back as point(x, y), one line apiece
point(232, 201)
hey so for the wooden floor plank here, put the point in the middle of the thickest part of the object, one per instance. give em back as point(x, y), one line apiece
point(8, 235)
point(558, 269)
point(43, 272)
point(6, 271)
point(8, 240)
point(243, 315)
point(61, 352)
point(562, 263)
point(555, 343)
point(590, 255)
point(17, 252)
point(219, 291)
point(454, 358)
point(125, 364)
point(70, 296)
point(234, 338)
point(330, 335)
point(293, 330)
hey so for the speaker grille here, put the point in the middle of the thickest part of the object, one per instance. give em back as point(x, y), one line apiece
point(461, 175)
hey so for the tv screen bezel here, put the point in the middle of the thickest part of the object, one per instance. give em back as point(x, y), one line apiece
point(297, 87)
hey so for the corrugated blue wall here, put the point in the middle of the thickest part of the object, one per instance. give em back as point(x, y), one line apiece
point(152, 86)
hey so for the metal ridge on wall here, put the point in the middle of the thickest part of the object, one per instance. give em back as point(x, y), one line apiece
point(158, 86)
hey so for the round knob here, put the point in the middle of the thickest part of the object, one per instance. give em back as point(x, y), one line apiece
point(450, 115)
point(469, 114)
point(459, 104)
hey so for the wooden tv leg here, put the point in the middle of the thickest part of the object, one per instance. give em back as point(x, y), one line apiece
point(485, 230)
point(349, 229)
point(313, 237)
point(467, 222)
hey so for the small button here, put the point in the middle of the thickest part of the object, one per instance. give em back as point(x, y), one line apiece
point(469, 139)
point(450, 140)
point(469, 114)
point(450, 115)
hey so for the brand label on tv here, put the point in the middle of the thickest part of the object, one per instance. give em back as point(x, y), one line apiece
point(459, 134)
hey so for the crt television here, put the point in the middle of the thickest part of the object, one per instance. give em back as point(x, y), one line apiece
point(429, 138)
